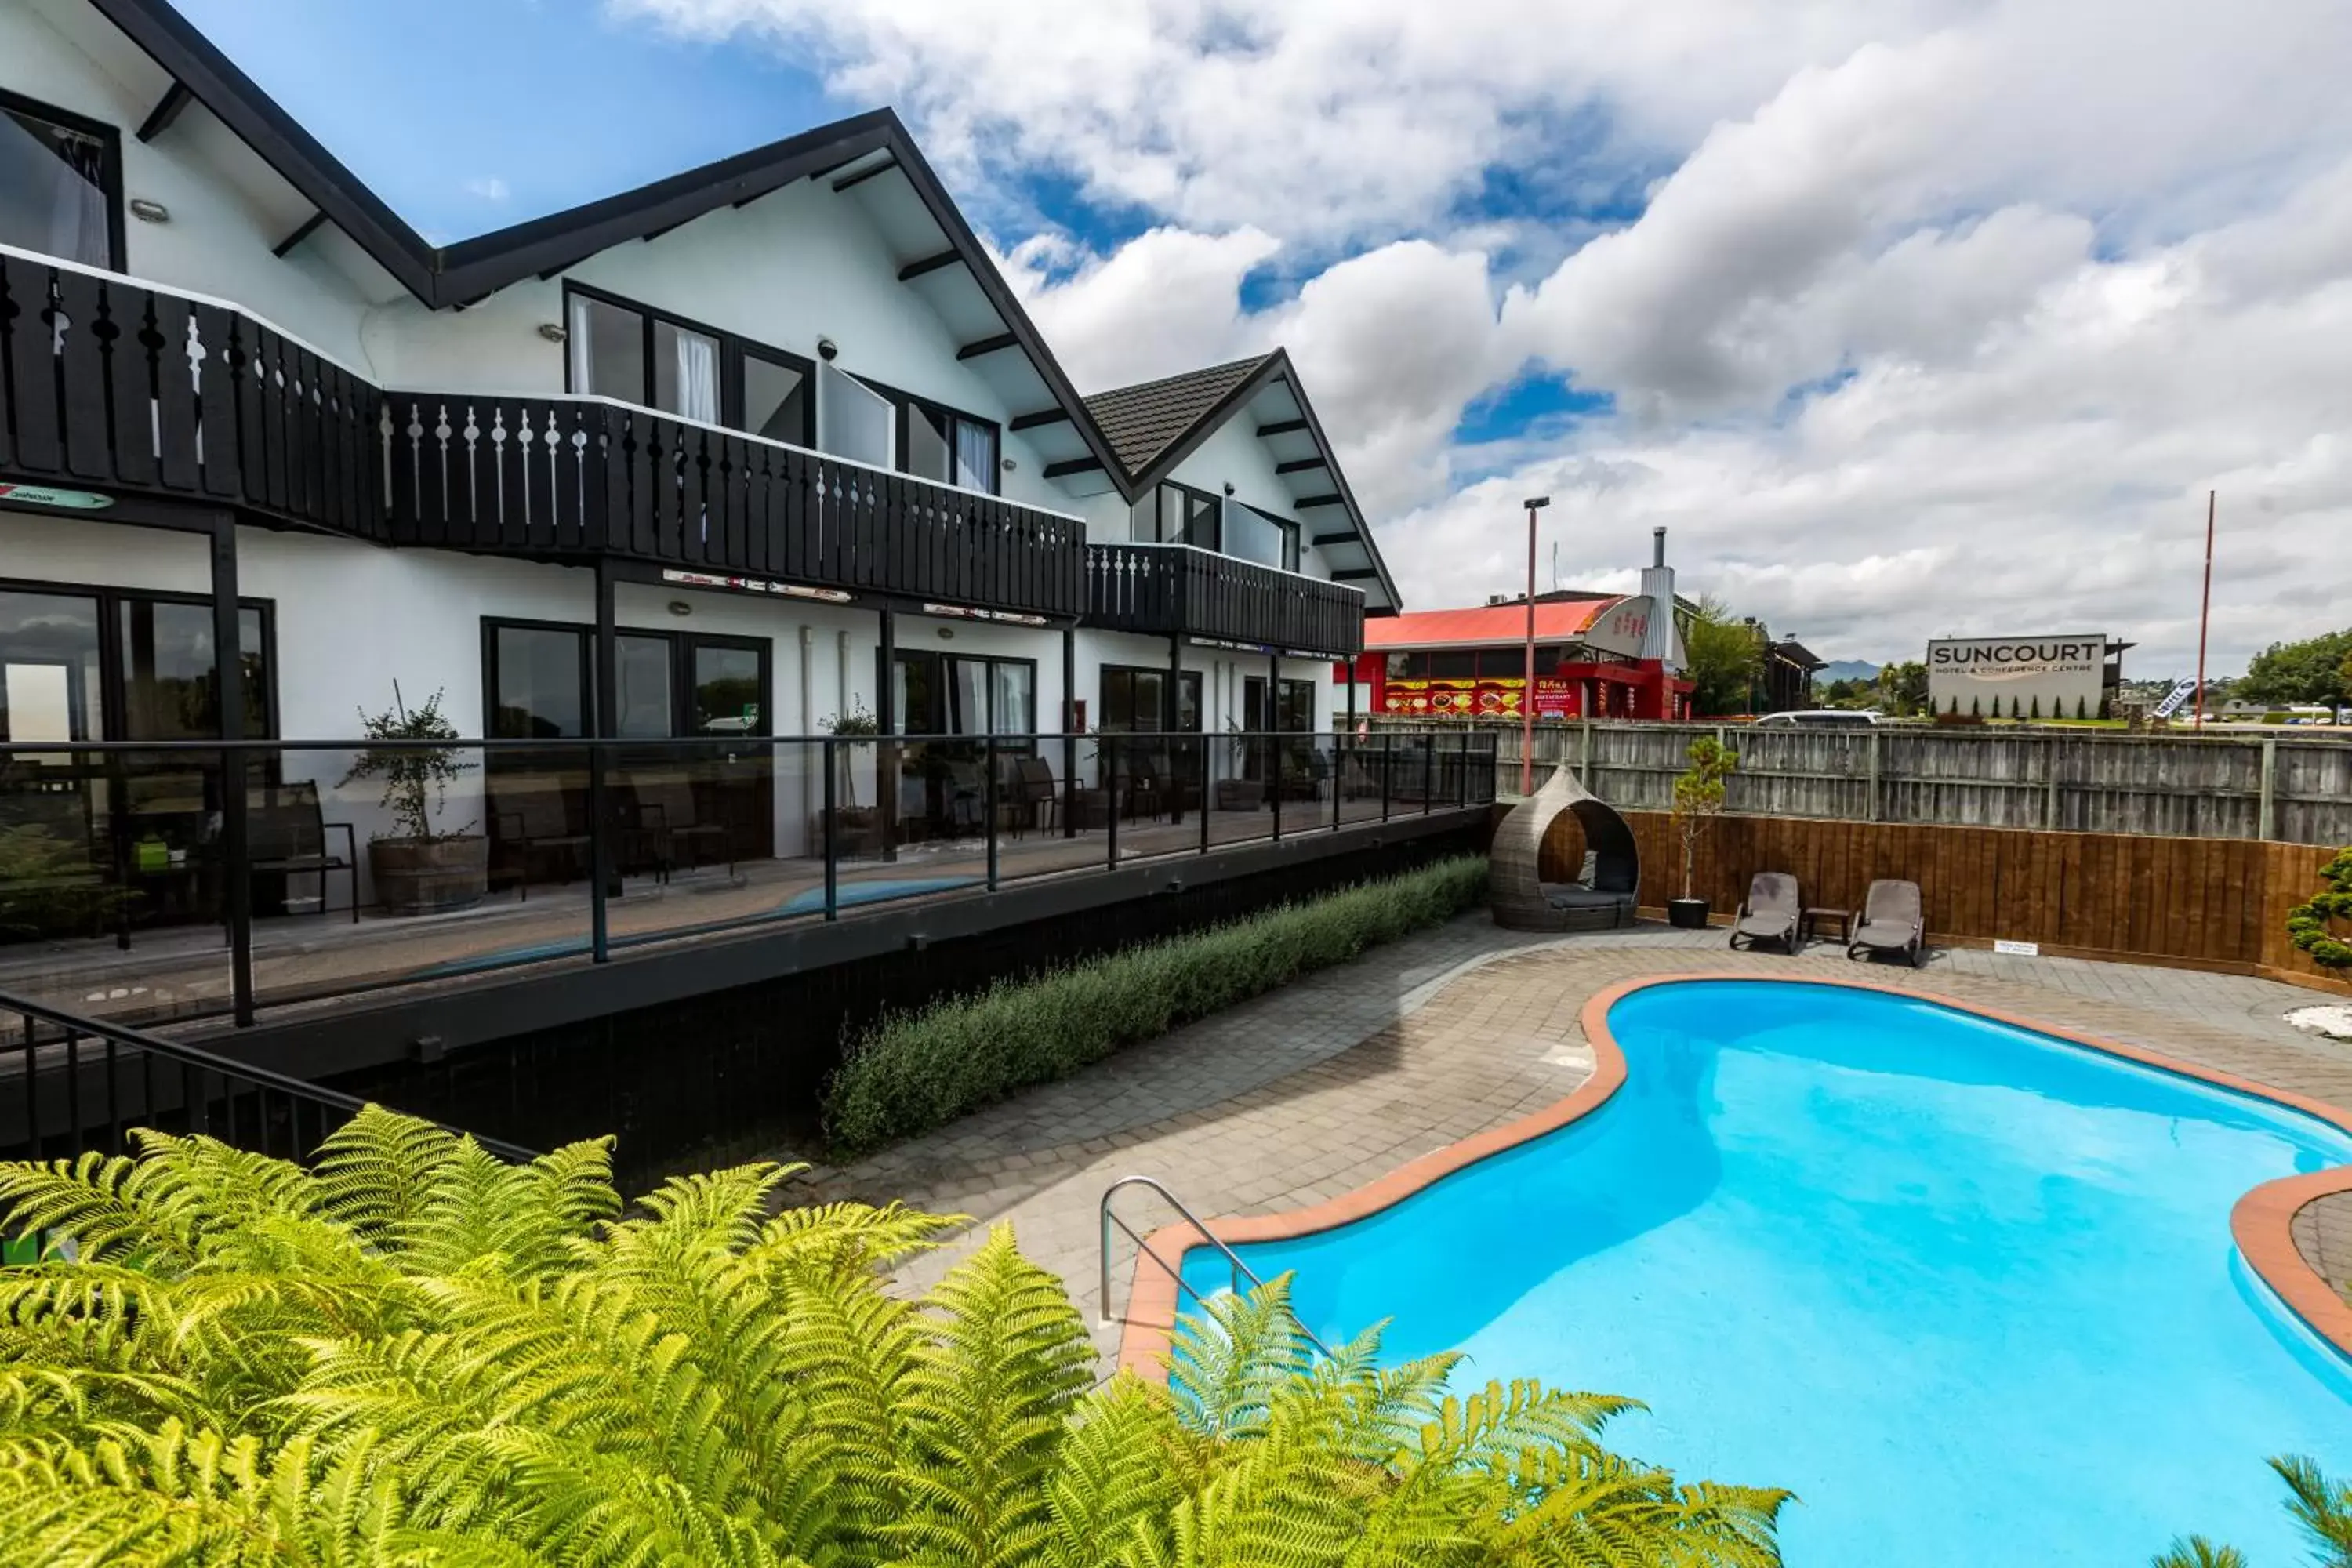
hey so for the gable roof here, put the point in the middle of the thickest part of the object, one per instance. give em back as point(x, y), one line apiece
point(1143, 421)
point(1490, 625)
point(455, 276)
point(1163, 422)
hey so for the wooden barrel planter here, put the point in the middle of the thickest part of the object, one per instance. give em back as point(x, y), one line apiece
point(429, 876)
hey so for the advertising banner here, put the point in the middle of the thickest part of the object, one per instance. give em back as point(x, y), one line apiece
point(1485, 697)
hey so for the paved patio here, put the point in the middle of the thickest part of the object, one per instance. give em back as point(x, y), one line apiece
point(1317, 1089)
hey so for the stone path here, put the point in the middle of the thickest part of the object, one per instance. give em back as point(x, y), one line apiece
point(1315, 1090)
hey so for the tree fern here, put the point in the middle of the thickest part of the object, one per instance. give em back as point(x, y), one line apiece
point(415, 1354)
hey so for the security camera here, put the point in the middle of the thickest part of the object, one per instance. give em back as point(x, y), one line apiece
point(827, 349)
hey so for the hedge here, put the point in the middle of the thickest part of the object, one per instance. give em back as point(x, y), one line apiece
point(914, 1071)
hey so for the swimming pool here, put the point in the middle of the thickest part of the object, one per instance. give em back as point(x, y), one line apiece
point(1968, 1290)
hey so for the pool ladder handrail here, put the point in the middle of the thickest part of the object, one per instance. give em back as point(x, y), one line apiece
point(1241, 1271)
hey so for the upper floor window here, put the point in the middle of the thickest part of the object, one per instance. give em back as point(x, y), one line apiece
point(60, 184)
point(1179, 514)
point(1253, 535)
point(943, 445)
point(635, 354)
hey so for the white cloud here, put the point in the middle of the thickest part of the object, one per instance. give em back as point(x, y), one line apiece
point(490, 188)
point(1940, 314)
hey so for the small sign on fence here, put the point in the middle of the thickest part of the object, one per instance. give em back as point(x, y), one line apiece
point(2017, 949)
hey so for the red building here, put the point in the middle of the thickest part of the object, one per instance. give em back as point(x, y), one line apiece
point(1596, 654)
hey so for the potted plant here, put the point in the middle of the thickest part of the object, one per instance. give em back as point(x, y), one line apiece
point(1698, 801)
point(858, 829)
point(1235, 793)
point(419, 869)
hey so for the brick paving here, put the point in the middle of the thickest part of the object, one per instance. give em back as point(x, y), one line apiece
point(1319, 1087)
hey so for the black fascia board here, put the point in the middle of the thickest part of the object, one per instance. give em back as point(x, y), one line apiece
point(1038, 419)
point(233, 98)
point(1348, 495)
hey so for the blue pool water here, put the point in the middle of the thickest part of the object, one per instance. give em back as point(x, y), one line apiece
point(1969, 1291)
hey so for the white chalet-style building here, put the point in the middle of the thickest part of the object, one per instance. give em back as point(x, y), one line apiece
point(754, 451)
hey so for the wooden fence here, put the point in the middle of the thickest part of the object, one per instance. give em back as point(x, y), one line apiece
point(2218, 786)
point(2199, 902)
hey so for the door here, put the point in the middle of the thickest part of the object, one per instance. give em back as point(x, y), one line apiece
point(727, 694)
point(1257, 718)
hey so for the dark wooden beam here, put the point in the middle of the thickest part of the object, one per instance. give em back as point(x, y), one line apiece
point(167, 109)
point(1317, 501)
point(1321, 540)
point(1281, 427)
point(1039, 420)
point(859, 178)
point(914, 269)
point(309, 227)
point(1069, 466)
point(564, 267)
point(1001, 341)
point(653, 234)
point(1300, 466)
point(1353, 576)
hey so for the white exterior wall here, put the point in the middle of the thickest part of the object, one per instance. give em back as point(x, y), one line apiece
point(227, 207)
point(799, 264)
point(1234, 454)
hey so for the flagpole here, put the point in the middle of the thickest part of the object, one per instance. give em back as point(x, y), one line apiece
point(2204, 614)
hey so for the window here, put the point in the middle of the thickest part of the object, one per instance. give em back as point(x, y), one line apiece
point(635, 354)
point(1511, 663)
point(169, 692)
point(965, 694)
point(1132, 699)
point(954, 448)
point(60, 184)
point(1450, 664)
point(542, 683)
point(57, 646)
point(1178, 514)
point(1253, 535)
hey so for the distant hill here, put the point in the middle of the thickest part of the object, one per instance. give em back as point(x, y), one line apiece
point(1846, 669)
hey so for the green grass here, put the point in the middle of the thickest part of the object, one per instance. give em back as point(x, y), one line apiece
point(914, 1071)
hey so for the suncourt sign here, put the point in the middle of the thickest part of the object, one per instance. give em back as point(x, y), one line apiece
point(2021, 677)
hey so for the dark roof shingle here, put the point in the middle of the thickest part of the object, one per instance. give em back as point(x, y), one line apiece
point(1142, 421)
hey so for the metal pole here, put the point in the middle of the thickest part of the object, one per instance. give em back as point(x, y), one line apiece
point(1110, 796)
point(229, 687)
point(1172, 709)
point(2204, 614)
point(600, 805)
point(990, 806)
point(831, 853)
point(1527, 691)
point(885, 707)
point(1069, 732)
point(1271, 718)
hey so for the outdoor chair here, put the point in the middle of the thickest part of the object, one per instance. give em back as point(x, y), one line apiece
point(1611, 875)
point(668, 814)
point(1891, 921)
point(286, 835)
point(534, 822)
point(1036, 794)
point(1771, 912)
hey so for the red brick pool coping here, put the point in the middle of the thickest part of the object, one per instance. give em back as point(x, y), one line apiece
point(2260, 1222)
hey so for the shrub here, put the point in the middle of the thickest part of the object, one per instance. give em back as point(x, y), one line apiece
point(914, 1071)
point(418, 1355)
point(2310, 924)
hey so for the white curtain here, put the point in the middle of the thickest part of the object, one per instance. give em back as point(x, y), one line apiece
point(697, 377)
point(576, 342)
point(975, 456)
point(970, 696)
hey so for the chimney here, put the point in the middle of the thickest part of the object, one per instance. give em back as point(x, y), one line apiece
point(1658, 584)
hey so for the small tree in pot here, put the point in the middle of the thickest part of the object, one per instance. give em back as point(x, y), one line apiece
point(1698, 801)
point(417, 869)
point(858, 829)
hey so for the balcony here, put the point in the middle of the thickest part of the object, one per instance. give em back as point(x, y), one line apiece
point(1178, 590)
point(119, 385)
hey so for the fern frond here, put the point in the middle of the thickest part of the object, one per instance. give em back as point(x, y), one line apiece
point(114, 1207)
point(379, 1172)
point(1227, 1361)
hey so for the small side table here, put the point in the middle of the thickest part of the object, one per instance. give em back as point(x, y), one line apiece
point(1814, 919)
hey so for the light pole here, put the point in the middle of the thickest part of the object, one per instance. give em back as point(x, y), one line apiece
point(1527, 694)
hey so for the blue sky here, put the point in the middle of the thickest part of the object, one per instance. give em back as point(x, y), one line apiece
point(431, 99)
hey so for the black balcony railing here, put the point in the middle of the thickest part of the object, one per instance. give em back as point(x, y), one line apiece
point(554, 476)
point(1179, 591)
point(109, 384)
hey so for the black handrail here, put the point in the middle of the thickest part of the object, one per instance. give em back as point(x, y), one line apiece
point(83, 1083)
point(682, 803)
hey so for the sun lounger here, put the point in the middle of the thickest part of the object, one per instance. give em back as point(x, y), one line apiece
point(1771, 912)
point(1891, 922)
